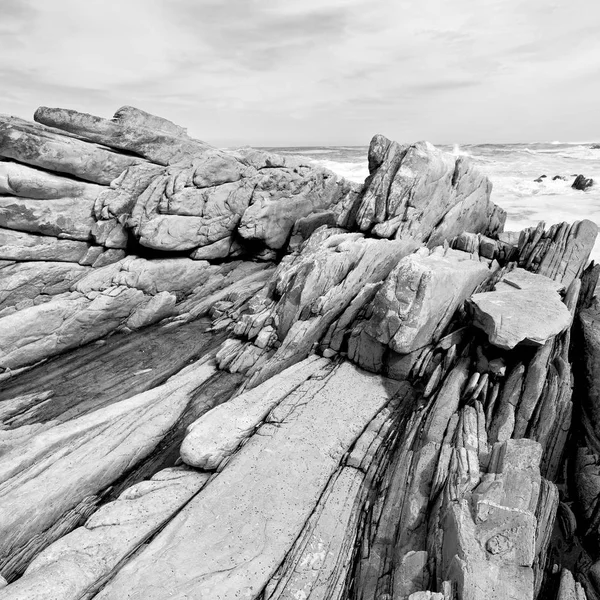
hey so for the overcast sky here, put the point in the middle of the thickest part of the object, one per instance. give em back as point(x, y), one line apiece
point(314, 72)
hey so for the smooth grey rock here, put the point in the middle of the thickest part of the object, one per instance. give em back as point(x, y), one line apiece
point(217, 434)
point(50, 472)
point(70, 218)
point(420, 296)
point(264, 497)
point(21, 246)
point(82, 560)
point(45, 147)
point(27, 182)
point(152, 137)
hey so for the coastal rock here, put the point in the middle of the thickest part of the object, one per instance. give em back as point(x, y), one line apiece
point(32, 282)
point(497, 535)
point(520, 279)
point(582, 183)
point(50, 472)
point(418, 192)
point(560, 253)
point(17, 245)
point(82, 560)
point(420, 296)
point(27, 182)
point(218, 434)
point(65, 218)
point(130, 129)
point(430, 477)
point(48, 148)
point(520, 316)
point(281, 198)
point(269, 500)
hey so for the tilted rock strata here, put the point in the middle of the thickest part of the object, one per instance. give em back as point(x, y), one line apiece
point(439, 475)
point(307, 436)
point(83, 559)
point(49, 473)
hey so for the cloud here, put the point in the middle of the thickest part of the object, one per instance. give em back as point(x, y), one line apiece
point(314, 72)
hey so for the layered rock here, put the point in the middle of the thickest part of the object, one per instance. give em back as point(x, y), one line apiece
point(373, 400)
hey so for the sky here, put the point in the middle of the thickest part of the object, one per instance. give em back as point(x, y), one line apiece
point(314, 72)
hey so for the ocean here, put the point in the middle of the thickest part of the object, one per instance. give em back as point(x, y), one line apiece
point(513, 169)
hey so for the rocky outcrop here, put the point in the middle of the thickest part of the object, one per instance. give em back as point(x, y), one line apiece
point(231, 374)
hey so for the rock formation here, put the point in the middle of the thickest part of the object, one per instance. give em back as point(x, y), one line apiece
point(582, 183)
point(230, 374)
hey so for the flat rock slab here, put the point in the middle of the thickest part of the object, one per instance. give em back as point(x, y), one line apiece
point(80, 561)
point(520, 279)
point(218, 433)
point(229, 540)
point(47, 474)
point(123, 365)
point(17, 245)
point(530, 317)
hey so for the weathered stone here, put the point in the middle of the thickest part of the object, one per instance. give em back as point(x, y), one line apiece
point(17, 245)
point(69, 320)
point(421, 193)
point(582, 183)
point(281, 198)
point(569, 589)
point(45, 147)
point(560, 253)
point(489, 551)
point(127, 130)
point(27, 182)
point(27, 281)
point(83, 559)
point(218, 434)
point(319, 285)
point(50, 472)
point(521, 279)
point(70, 218)
point(263, 503)
point(420, 296)
point(590, 325)
point(321, 558)
point(521, 316)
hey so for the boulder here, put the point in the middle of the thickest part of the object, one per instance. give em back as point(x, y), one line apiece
point(281, 198)
point(421, 193)
point(420, 296)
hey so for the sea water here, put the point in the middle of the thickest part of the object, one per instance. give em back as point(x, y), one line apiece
point(513, 169)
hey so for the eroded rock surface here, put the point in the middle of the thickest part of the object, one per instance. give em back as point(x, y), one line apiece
point(230, 374)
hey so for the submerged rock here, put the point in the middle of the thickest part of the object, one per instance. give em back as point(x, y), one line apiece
point(582, 183)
